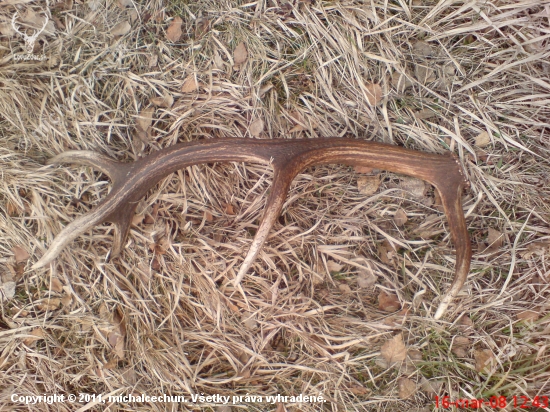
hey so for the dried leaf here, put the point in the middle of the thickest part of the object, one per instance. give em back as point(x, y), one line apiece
point(425, 114)
point(407, 388)
point(465, 320)
point(536, 248)
point(359, 390)
point(485, 360)
point(159, 16)
point(297, 128)
point(248, 320)
point(400, 217)
point(368, 185)
point(366, 279)
point(49, 304)
point(528, 315)
point(483, 139)
point(130, 376)
point(112, 337)
point(58, 23)
point(244, 357)
point(201, 27)
point(112, 364)
point(56, 285)
point(119, 321)
point(174, 30)
point(334, 266)
point(66, 300)
point(461, 341)
point(189, 85)
point(460, 345)
point(93, 4)
point(388, 302)
point(384, 254)
point(145, 119)
point(62, 5)
point(152, 60)
point(495, 240)
point(12, 209)
point(264, 89)
point(296, 116)
point(121, 28)
point(240, 54)
point(228, 209)
point(422, 49)
point(161, 245)
point(431, 387)
point(413, 186)
point(374, 94)
point(21, 255)
point(459, 352)
point(103, 310)
point(256, 127)
point(116, 335)
point(299, 120)
point(400, 82)
point(424, 74)
point(394, 350)
point(344, 288)
point(218, 61)
point(7, 290)
point(118, 349)
point(36, 334)
point(165, 101)
point(414, 354)
point(449, 70)
point(208, 216)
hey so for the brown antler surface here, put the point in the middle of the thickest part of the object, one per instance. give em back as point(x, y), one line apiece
point(131, 181)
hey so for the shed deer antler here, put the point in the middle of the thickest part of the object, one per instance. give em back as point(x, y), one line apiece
point(131, 181)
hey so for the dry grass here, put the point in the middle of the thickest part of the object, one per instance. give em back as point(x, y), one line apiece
point(162, 318)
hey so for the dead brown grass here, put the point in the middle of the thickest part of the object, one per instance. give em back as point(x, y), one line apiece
point(471, 77)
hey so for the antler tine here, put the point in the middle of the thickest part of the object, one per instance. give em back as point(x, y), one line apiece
point(71, 232)
point(282, 178)
point(88, 158)
point(451, 197)
point(112, 208)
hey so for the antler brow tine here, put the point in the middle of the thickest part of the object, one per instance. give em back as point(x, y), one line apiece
point(131, 181)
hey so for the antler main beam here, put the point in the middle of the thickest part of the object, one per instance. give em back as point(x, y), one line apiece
point(131, 181)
